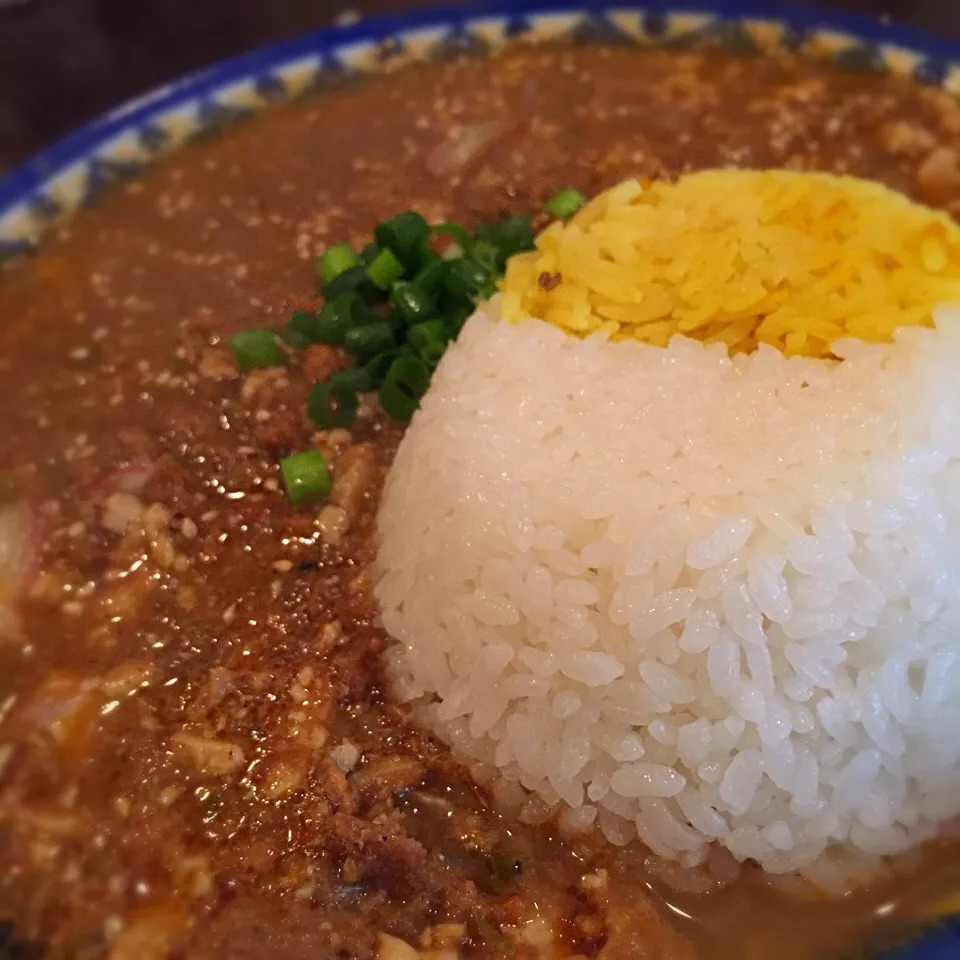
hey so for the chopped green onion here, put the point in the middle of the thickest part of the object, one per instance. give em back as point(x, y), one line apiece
point(467, 280)
point(370, 339)
point(514, 235)
point(516, 227)
point(458, 234)
point(566, 203)
point(338, 316)
point(431, 353)
point(305, 476)
point(353, 280)
point(406, 235)
point(422, 335)
point(256, 348)
point(301, 329)
point(385, 270)
point(431, 278)
point(429, 258)
point(511, 235)
point(337, 260)
point(395, 306)
point(485, 254)
point(405, 383)
point(378, 367)
point(332, 403)
point(355, 377)
point(411, 301)
point(398, 324)
point(294, 338)
point(453, 322)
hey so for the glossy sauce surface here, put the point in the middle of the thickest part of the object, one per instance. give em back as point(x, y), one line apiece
point(198, 757)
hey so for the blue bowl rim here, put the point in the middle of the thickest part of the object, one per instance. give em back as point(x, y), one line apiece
point(29, 178)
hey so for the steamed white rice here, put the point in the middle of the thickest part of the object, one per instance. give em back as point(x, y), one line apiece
point(689, 597)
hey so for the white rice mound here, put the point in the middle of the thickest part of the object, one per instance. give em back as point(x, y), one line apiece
point(693, 598)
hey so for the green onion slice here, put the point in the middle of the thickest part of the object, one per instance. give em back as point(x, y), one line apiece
point(405, 383)
point(565, 203)
point(511, 235)
point(427, 333)
point(431, 279)
point(332, 403)
point(432, 353)
point(305, 476)
point(256, 348)
point(485, 254)
point(453, 322)
point(378, 367)
point(336, 260)
point(338, 316)
point(467, 280)
point(369, 339)
point(411, 300)
point(301, 329)
point(294, 338)
point(385, 270)
point(353, 280)
point(459, 235)
point(406, 235)
point(356, 377)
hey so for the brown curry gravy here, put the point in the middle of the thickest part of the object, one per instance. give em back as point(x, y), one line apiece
point(199, 758)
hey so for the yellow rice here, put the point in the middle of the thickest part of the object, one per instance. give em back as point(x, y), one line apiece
point(797, 260)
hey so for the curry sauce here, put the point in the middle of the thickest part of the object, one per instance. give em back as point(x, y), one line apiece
point(198, 753)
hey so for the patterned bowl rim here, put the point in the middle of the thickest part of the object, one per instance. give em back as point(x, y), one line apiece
point(69, 173)
point(36, 193)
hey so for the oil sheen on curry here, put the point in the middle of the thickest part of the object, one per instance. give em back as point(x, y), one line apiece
point(339, 620)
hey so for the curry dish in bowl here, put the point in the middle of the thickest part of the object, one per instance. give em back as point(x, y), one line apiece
point(202, 749)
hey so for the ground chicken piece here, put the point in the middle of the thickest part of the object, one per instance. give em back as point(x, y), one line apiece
point(393, 948)
point(217, 363)
point(283, 774)
point(939, 174)
point(215, 757)
point(355, 475)
point(319, 361)
point(381, 778)
point(120, 511)
point(151, 934)
point(333, 523)
point(137, 444)
point(403, 866)
point(126, 678)
point(944, 103)
point(356, 672)
point(906, 139)
point(514, 911)
point(282, 434)
point(332, 786)
point(271, 378)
